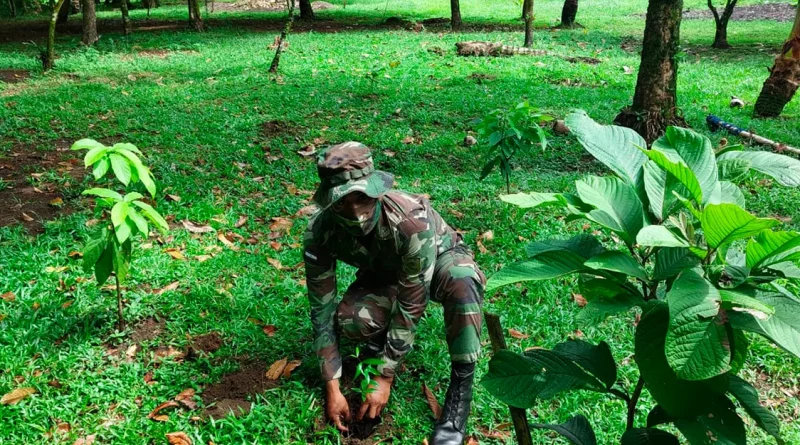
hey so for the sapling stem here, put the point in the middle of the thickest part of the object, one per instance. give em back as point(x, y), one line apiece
point(633, 401)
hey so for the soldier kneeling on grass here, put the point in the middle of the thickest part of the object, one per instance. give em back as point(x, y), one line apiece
point(405, 254)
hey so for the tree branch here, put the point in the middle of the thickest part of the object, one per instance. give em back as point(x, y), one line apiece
point(633, 401)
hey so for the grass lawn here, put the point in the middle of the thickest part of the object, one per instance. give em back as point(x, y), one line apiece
point(223, 136)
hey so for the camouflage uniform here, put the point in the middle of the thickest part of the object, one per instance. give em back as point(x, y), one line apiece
point(410, 256)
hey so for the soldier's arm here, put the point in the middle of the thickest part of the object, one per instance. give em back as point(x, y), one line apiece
point(419, 259)
point(321, 281)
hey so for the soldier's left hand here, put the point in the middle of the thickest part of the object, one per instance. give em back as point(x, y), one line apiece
point(376, 400)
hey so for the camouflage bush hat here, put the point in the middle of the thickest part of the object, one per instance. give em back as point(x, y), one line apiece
point(347, 168)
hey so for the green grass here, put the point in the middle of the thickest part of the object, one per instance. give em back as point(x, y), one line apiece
point(198, 115)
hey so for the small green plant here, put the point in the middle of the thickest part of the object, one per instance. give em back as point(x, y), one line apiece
point(366, 370)
point(508, 131)
point(703, 272)
point(123, 216)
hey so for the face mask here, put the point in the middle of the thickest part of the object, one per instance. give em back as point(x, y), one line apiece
point(359, 227)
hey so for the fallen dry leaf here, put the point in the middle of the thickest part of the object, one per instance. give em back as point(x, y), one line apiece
point(276, 246)
point(281, 224)
point(174, 198)
point(408, 140)
point(67, 304)
point(175, 253)
point(472, 441)
point(148, 378)
point(275, 263)
point(487, 236)
point(255, 321)
point(291, 366)
point(578, 333)
point(242, 221)
point(169, 287)
point(456, 213)
point(53, 269)
point(202, 258)
point(63, 428)
point(306, 211)
point(35, 306)
point(270, 330)
point(87, 440)
point(58, 202)
point(186, 398)
point(274, 372)
point(517, 334)
point(627, 70)
point(154, 415)
point(8, 297)
point(194, 228)
point(307, 151)
point(291, 189)
point(17, 396)
point(178, 438)
point(224, 240)
point(75, 254)
point(131, 351)
point(436, 409)
point(579, 300)
point(481, 248)
point(389, 153)
point(162, 353)
point(26, 217)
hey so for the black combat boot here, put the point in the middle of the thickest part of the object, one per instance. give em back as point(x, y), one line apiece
point(450, 428)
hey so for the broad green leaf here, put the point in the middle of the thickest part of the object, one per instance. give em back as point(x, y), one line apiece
point(659, 187)
point(648, 436)
point(583, 245)
point(697, 343)
point(103, 193)
point(660, 236)
point(658, 416)
point(122, 260)
point(676, 396)
point(739, 300)
point(617, 261)
point(101, 168)
point(140, 221)
point(531, 200)
point(679, 171)
point(86, 144)
point(688, 205)
point(128, 147)
point(614, 146)
point(540, 374)
point(730, 193)
point(123, 232)
point(696, 152)
point(121, 168)
point(670, 261)
point(118, 214)
point(782, 328)
point(495, 138)
point(598, 309)
point(771, 247)
point(740, 345)
point(94, 155)
point(94, 249)
point(544, 267)
point(725, 223)
point(140, 171)
point(786, 269)
point(488, 167)
point(153, 216)
point(577, 430)
point(617, 205)
point(720, 425)
point(733, 169)
point(597, 360)
point(748, 398)
point(132, 196)
point(782, 168)
point(105, 264)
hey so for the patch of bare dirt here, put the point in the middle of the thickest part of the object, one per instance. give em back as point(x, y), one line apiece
point(14, 76)
point(278, 128)
point(206, 343)
point(780, 12)
point(630, 44)
point(27, 196)
point(321, 6)
point(155, 53)
point(147, 330)
point(230, 395)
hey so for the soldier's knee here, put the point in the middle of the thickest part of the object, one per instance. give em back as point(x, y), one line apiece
point(358, 322)
point(465, 284)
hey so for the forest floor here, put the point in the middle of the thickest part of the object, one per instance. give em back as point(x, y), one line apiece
point(210, 313)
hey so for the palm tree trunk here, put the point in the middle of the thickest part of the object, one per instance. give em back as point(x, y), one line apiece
point(568, 13)
point(89, 23)
point(50, 55)
point(784, 77)
point(126, 21)
point(527, 16)
point(655, 101)
point(455, 15)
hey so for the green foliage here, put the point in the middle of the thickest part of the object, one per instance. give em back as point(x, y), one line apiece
point(366, 370)
point(110, 251)
point(507, 132)
point(683, 227)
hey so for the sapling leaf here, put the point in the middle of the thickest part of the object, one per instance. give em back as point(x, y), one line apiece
point(103, 193)
point(105, 264)
point(86, 144)
point(153, 216)
point(577, 430)
point(101, 168)
point(121, 168)
point(94, 249)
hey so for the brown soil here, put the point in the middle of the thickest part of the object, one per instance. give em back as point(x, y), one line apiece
point(277, 128)
point(367, 431)
point(155, 53)
point(14, 76)
point(207, 343)
point(229, 395)
point(780, 12)
point(27, 200)
point(147, 330)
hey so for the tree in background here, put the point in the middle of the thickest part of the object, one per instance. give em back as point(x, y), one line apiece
point(194, 15)
point(721, 36)
point(306, 11)
point(655, 101)
point(126, 20)
point(527, 16)
point(89, 23)
point(568, 13)
point(50, 54)
point(784, 77)
point(455, 15)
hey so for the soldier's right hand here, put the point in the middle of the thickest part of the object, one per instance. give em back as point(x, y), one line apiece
point(337, 408)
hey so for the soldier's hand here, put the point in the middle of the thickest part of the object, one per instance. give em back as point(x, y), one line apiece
point(336, 408)
point(376, 400)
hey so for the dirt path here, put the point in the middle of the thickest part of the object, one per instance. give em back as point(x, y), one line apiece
point(780, 12)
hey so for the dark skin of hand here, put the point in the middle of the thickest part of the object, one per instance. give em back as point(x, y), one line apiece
point(338, 410)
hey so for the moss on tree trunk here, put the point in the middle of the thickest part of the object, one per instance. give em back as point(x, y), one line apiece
point(655, 102)
point(784, 77)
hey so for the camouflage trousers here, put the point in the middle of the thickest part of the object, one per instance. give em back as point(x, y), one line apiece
point(458, 284)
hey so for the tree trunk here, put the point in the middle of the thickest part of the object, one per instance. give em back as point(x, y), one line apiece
point(527, 16)
point(655, 101)
point(721, 22)
point(568, 13)
point(89, 23)
point(194, 15)
point(455, 15)
point(273, 67)
point(126, 21)
point(784, 77)
point(63, 15)
point(50, 55)
point(12, 8)
point(306, 11)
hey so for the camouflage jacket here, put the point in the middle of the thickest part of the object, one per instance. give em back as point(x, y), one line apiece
point(403, 248)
